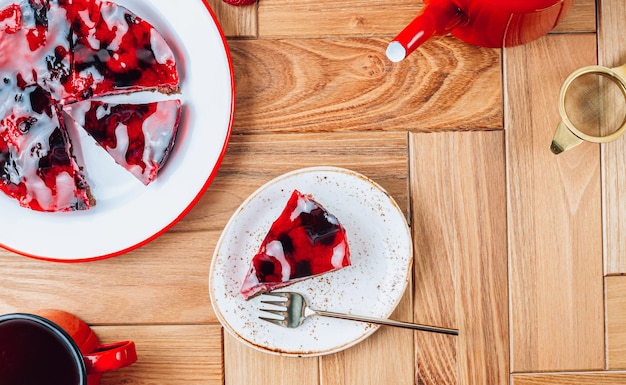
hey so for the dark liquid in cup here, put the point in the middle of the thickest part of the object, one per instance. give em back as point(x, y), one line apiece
point(32, 354)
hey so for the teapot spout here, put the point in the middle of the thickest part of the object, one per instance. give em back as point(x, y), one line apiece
point(437, 18)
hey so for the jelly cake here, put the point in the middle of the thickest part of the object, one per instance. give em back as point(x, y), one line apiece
point(304, 241)
point(54, 53)
point(139, 137)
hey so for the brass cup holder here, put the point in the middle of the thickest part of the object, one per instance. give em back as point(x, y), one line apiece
point(568, 134)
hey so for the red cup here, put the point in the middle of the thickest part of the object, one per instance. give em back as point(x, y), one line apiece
point(56, 347)
point(485, 23)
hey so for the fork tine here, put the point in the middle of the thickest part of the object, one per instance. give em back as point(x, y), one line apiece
point(275, 303)
point(281, 299)
point(274, 321)
point(280, 313)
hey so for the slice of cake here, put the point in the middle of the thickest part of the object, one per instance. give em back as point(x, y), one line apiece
point(115, 51)
point(37, 167)
point(304, 241)
point(139, 137)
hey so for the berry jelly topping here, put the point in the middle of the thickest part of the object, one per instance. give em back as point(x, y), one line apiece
point(37, 168)
point(138, 136)
point(56, 52)
point(113, 49)
point(304, 241)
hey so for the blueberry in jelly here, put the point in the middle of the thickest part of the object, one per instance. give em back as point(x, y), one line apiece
point(318, 227)
point(303, 269)
point(287, 243)
point(269, 269)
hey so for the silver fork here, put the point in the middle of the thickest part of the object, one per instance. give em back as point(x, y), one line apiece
point(294, 310)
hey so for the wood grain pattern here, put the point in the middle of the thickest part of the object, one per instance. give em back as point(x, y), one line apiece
point(253, 160)
point(580, 18)
point(612, 53)
point(555, 229)
point(615, 287)
point(306, 18)
point(233, 20)
point(435, 262)
point(168, 354)
point(320, 85)
point(588, 378)
point(457, 186)
point(361, 364)
point(244, 365)
point(143, 286)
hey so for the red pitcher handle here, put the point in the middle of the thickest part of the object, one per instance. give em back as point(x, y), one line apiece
point(110, 357)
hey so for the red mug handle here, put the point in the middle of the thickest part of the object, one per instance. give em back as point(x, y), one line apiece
point(110, 357)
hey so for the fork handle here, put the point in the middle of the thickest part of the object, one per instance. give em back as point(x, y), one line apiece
point(388, 322)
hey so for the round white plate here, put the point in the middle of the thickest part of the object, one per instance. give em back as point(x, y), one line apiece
point(129, 214)
point(381, 255)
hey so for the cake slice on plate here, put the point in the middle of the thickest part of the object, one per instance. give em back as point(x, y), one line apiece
point(139, 137)
point(36, 163)
point(304, 241)
point(115, 51)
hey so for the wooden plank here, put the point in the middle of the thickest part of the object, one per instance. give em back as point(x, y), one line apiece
point(143, 286)
point(555, 228)
point(347, 84)
point(580, 18)
point(436, 359)
point(244, 365)
point(615, 287)
point(459, 217)
point(612, 53)
point(168, 355)
point(434, 265)
point(235, 21)
point(253, 160)
point(589, 378)
point(305, 18)
point(361, 364)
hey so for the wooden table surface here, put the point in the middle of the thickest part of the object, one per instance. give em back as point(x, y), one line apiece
point(521, 250)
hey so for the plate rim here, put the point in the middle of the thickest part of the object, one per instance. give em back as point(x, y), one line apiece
point(371, 330)
point(198, 195)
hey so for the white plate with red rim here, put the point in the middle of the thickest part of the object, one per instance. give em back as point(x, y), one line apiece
point(381, 254)
point(129, 214)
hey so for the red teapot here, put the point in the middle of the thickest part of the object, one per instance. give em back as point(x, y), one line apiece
point(485, 23)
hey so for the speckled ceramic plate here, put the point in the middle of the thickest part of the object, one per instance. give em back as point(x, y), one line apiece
point(381, 254)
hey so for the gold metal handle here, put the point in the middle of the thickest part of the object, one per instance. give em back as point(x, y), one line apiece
point(564, 139)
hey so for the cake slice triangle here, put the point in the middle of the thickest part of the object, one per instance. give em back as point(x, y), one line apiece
point(37, 166)
point(139, 137)
point(303, 242)
point(115, 51)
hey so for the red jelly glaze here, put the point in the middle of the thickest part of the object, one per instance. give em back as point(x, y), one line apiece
point(131, 63)
point(11, 18)
point(308, 242)
point(131, 116)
